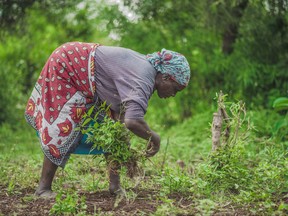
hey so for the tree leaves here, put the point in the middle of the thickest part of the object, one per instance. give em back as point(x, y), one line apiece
point(281, 104)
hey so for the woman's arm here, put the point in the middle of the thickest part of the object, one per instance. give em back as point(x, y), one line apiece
point(140, 128)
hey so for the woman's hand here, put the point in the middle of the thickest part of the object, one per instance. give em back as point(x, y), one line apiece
point(154, 145)
point(141, 129)
point(152, 149)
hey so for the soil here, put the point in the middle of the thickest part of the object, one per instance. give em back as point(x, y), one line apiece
point(25, 203)
point(146, 202)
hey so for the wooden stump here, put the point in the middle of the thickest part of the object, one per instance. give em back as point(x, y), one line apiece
point(217, 123)
point(216, 130)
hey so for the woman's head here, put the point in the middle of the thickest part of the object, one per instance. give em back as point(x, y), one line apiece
point(166, 86)
point(171, 64)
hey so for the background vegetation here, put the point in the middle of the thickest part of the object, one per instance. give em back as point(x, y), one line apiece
point(238, 46)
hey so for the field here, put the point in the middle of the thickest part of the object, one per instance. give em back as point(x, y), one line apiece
point(237, 46)
point(248, 177)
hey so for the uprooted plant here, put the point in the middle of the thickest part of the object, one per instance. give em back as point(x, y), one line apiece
point(113, 138)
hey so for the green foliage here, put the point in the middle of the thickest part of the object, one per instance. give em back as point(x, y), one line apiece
point(223, 170)
point(256, 62)
point(244, 177)
point(71, 203)
point(108, 135)
point(168, 208)
point(248, 177)
point(173, 181)
point(250, 173)
point(281, 104)
point(280, 128)
point(37, 30)
point(113, 138)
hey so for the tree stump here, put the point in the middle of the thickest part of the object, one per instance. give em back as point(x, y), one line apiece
point(217, 123)
point(216, 130)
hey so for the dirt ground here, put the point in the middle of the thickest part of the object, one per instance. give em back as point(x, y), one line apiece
point(144, 203)
point(24, 203)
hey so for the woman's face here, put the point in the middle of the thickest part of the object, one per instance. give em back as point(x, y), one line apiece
point(167, 87)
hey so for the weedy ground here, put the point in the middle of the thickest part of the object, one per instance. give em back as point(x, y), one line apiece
point(248, 177)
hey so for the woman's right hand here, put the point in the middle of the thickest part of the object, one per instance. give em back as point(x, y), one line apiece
point(140, 128)
point(153, 146)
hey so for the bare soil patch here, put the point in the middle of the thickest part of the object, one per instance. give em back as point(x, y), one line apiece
point(25, 203)
point(144, 202)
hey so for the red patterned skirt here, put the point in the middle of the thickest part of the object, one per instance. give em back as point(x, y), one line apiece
point(64, 91)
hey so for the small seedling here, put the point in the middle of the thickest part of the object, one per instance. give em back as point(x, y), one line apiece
point(69, 203)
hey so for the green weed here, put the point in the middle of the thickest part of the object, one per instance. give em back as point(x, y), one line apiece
point(69, 203)
point(174, 181)
point(11, 187)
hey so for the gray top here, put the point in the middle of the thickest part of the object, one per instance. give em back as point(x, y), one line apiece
point(124, 79)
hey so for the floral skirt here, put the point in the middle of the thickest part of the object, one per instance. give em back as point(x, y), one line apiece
point(62, 94)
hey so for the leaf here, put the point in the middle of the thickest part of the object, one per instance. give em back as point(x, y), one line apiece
point(280, 124)
point(281, 103)
point(96, 125)
point(86, 121)
point(90, 110)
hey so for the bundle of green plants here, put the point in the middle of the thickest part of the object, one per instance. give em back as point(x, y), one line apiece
point(113, 138)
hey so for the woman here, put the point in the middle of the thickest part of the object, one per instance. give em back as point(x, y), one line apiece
point(78, 75)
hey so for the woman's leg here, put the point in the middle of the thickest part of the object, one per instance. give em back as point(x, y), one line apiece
point(45, 185)
point(114, 180)
point(114, 177)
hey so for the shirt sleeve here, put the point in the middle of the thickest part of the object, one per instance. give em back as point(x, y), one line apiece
point(134, 110)
point(134, 96)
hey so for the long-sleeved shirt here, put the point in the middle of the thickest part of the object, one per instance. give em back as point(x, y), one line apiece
point(124, 79)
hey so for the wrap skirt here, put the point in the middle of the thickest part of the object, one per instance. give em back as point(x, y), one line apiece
point(64, 91)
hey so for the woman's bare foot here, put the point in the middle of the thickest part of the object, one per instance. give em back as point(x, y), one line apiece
point(48, 171)
point(47, 194)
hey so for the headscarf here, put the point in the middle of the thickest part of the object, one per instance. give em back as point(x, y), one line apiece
point(171, 63)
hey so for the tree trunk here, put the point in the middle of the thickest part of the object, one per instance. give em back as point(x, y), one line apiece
point(231, 32)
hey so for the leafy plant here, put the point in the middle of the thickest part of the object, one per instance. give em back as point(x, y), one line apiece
point(68, 204)
point(112, 137)
point(281, 104)
point(238, 173)
point(172, 181)
point(11, 187)
point(280, 129)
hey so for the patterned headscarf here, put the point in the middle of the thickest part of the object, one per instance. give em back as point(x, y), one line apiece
point(171, 63)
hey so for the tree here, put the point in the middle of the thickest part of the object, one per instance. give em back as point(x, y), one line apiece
point(37, 29)
point(237, 46)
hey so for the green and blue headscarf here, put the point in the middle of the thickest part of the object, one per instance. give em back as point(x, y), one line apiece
point(171, 63)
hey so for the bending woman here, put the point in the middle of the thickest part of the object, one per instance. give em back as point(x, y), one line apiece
point(78, 75)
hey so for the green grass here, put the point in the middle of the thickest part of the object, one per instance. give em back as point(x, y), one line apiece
point(249, 177)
